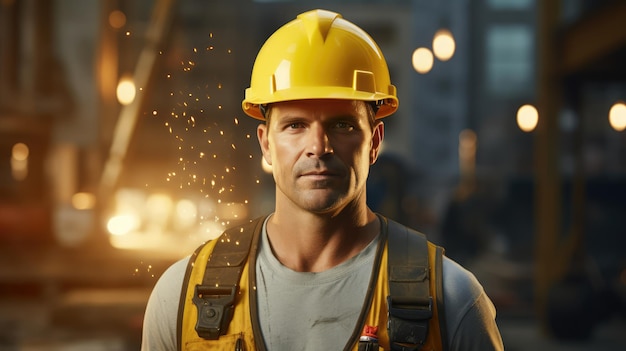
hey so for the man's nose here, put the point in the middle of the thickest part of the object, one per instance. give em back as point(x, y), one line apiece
point(318, 141)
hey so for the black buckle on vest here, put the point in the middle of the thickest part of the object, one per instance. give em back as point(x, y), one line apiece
point(215, 310)
point(408, 322)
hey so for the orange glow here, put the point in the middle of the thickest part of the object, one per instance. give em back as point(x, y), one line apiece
point(468, 142)
point(19, 161)
point(83, 201)
point(117, 19)
point(20, 151)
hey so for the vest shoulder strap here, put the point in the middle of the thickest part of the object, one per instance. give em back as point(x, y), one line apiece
point(441, 312)
point(215, 297)
point(410, 304)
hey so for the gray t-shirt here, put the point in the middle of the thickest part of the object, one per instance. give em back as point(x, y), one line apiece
point(318, 311)
point(311, 311)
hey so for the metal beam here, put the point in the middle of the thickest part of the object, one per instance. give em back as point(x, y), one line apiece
point(547, 173)
point(158, 28)
point(596, 35)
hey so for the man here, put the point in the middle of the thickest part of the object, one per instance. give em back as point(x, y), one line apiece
point(318, 275)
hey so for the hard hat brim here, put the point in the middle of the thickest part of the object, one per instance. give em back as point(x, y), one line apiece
point(250, 105)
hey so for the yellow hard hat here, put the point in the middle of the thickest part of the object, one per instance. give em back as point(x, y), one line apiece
point(319, 55)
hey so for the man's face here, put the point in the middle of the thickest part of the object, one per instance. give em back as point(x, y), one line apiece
point(320, 152)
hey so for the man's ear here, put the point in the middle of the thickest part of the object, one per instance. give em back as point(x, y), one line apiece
point(378, 134)
point(261, 134)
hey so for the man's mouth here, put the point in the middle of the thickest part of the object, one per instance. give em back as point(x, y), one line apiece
point(319, 173)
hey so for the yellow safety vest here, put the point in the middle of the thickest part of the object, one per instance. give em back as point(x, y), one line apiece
point(244, 330)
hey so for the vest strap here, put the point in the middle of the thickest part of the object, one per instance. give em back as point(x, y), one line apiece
point(409, 302)
point(215, 297)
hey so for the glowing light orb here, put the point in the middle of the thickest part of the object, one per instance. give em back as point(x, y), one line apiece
point(527, 118)
point(617, 116)
point(422, 60)
point(444, 45)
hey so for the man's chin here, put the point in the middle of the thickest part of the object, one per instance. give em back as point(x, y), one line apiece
point(321, 201)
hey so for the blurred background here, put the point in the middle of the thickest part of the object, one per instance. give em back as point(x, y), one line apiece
point(123, 147)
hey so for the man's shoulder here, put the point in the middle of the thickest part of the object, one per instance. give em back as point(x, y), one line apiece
point(457, 277)
point(173, 274)
point(458, 282)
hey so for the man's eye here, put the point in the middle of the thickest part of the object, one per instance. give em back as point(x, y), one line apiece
point(344, 126)
point(294, 125)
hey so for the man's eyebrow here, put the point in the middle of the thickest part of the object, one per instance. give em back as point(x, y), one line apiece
point(344, 117)
point(289, 119)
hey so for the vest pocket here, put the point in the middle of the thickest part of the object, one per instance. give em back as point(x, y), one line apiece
point(224, 343)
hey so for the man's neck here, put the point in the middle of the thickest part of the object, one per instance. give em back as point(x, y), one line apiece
point(309, 242)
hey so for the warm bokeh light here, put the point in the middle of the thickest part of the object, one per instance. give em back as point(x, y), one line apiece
point(527, 118)
point(83, 201)
point(20, 152)
point(468, 142)
point(122, 224)
point(117, 19)
point(423, 60)
point(232, 211)
point(126, 91)
point(617, 116)
point(158, 211)
point(186, 214)
point(19, 161)
point(444, 45)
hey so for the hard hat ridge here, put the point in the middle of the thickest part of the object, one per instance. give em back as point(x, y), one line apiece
point(318, 22)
